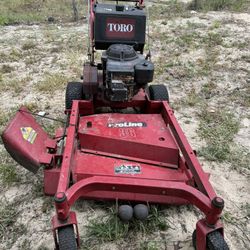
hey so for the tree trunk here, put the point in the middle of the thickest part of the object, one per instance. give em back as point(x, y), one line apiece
point(75, 10)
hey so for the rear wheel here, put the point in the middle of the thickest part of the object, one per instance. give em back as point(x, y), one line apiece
point(74, 91)
point(158, 92)
point(66, 238)
point(215, 241)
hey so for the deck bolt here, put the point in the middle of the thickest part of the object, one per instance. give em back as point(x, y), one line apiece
point(218, 202)
point(163, 192)
point(60, 197)
point(113, 188)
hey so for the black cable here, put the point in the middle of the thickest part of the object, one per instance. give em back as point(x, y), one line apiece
point(45, 117)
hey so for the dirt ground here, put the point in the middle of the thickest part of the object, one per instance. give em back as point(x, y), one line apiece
point(36, 61)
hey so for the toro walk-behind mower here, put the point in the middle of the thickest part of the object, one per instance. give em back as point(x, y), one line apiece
point(107, 152)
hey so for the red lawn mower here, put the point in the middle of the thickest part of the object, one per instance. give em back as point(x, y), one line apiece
point(121, 140)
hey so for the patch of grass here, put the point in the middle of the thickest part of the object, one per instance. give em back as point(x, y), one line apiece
point(149, 245)
point(31, 106)
point(13, 56)
point(246, 209)
point(33, 11)
point(218, 129)
point(5, 116)
point(52, 82)
point(111, 228)
point(168, 9)
point(208, 90)
point(74, 62)
point(16, 85)
point(41, 247)
point(25, 245)
point(207, 65)
point(5, 69)
point(188, 39)
point(241, 95)
point(216, 5)
point(239, 158)
point(227, 217)
point(8, 174)
point(51, 126)
point(108, 228)
point(37, 190)
point(246, 58)
point(236, 44)
point(216, 24)
point(8, 216)
point(29, 45)
point(212, 39)
point(47, 205)
point(192, 98)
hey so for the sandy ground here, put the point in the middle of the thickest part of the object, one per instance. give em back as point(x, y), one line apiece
point(60, 49)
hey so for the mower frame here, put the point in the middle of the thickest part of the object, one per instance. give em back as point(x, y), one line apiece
point(194, 189)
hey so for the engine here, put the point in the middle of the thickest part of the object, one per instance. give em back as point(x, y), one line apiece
point(125, 71)
point(120, 31)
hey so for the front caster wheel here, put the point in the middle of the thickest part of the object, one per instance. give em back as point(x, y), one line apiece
point(66, 238)
point(215, 241)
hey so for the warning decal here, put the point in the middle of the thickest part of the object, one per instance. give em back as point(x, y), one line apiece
point(29, 134)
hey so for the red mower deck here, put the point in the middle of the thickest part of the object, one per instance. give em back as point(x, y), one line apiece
point(114, 156)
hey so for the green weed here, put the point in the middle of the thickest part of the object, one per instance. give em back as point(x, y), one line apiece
point(208, 90)
point(192, 98)
point(207, 5)
point(51, 83)
point(239, 158)
point(28, 45)
point(149, 245)
point(8, 216)
point(16, 85)
point(218, 129)
point(111, 228)
point(5, 69)
point(167, 9)
point(8, 174)
point(10, 229)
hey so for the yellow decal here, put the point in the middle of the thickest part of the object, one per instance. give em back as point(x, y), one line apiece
point(29, 134)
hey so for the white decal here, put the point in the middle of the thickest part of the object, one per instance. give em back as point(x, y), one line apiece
point(119, 27)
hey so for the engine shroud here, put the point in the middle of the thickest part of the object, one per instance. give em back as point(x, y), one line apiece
point(125, 71)
point(118, 24)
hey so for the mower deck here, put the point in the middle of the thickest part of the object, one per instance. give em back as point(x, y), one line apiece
point(131, 157)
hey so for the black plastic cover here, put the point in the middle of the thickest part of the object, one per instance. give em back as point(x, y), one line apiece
point(144, 72)
point(113, 25)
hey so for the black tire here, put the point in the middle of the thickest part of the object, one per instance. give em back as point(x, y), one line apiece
point(158, 92)
point(74, 91)
point(66, 238)
point(194, 239)
point(215, 241)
